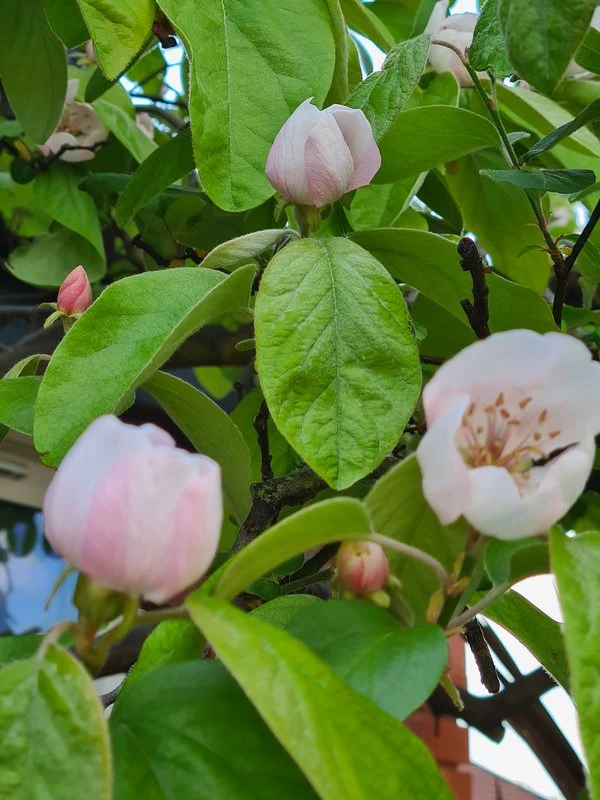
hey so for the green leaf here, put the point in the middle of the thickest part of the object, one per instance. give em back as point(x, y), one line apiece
point(244, 249)
point(48, 709)
point(125, 336)
point(336, 736)
point(436, 194)
point(33, 67)
point(398, 509)
point(245, 84)
point(336, 355)
point(552, 29)
point(97, 85)
point(426, 137)
point(124, 128)
point(539, 633)
point(588, 55)
point(380, 205)
point(576, 565)
point(47, 260)
point(360, 18)
point(487, 50)
point(281, 611)
point(66, 21)
point(174, 641)
point(430, 263)
point(396, 668)
point(218, 747)
point(17, 403)
point(160, 169)
point(338, 91)
point(329, 521)
point(119, 29)
point(57, 192)
point(383, 94)
point(564, 181)
point(211, 432)
point(515, 560)
point(15, 648)
point(591, 113)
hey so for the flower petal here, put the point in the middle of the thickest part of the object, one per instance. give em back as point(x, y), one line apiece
point(445, 475)
point(465, 23)
point(437, 17)
point(443, 59)
point(358, 134)
point(328, 162)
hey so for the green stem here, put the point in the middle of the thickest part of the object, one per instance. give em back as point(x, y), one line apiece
point(412, 552)
point(486, 600)
point(309, 580)
point(160, 615)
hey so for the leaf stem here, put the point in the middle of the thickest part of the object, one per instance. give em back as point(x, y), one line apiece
point(308, 580)
point(160, 615)
point(477, 608)
point(412, 552)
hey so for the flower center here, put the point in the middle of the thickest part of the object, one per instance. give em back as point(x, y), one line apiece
point(510, 438)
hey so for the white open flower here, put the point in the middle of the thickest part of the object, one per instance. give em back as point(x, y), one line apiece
point(511, 426)
point(79, 127)
point(457, 30)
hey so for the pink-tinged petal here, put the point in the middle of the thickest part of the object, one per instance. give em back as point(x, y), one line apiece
point(285, 163)
point(57, 141)
point(498, 509)
point(328, 162)
point(75, 293)
point(445, 475)
point(443, 59)
point(77, 156)
point(437, 17)
point(358, 134)
point(362, 567)
point(83, 118)
point(144, 123)
point(465, 23)
point(90, 52)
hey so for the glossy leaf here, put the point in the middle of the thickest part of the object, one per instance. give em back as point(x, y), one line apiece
point(160, 169)
point(119, 29)
point(281, 611)
point(124, 128)
point(564, 181)
point(398, 509)
point(193, 705)
point(47, 260)
point(244, 249)
point(66, 21)
point(553, 30)
point(329, 521)
point(360, 18)
point(29, 47)
point(396, 668)
point(591, 113)
point(430, 264)
point(576, 564)
point(588, 55)
point(518, 559)
point(58, 194)
point(244, 84)
point(380, 205)
point(488, 51)
point(383, 94)
point(173, 641)
point(144, 318)
point(422, 138)
point(540, 634)
point(211, 432)
point(17, 403)
point(336, 736)
point(16, 648)
point(336, 355)
point(48, 708)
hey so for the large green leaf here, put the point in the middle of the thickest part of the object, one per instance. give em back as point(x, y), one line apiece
point(123, 126)
point(383, 94)
point(211, 432)
point(57, 193)
point(591, 113)
point(119, 29)
point(329, 521)
point(576, 564)
point(338, 738)
point(396, 668)
point(159, 170)
point(517, 559)
point(33, 67)
point(281, 611)
point(172, 642)
point(244, 249)
point(16, 648)
point(336, 355)
point(47, 260)
point(552, 31)
point(488, 51)
point(588, 55)
point(186, 730)
point(125, 336)
point(246, 79)
point(422, 138)
point(66, 21)
point(398, 509)
point(17, 402)
point(360, 18)
point(539, 633)
point(430, 264)
point(53, 731)
point(379, 205)
point(564, 181)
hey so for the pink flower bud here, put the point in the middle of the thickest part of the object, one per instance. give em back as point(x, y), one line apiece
point(362, 567)
point(134, 512)
point(318, 156)
point(75, 293)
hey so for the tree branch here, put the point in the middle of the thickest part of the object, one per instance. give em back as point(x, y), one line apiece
point(477, 311)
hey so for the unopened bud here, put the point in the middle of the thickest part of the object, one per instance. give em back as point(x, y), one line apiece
point(75, 293)
point(362, 567)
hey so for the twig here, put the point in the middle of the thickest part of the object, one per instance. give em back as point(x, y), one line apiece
point(308, 580)
point(474, 637)
point(172, 119)
point(157, 99)
point(71, 147)
point(477, 311)
point(108, 698)
point(412, 552)
point(487, 600)
point(261, 426)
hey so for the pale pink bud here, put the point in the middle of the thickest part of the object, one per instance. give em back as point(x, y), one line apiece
point(457, 30)
point(75, 293)
point(362, 567)
point(134, 512)
point(318, 156)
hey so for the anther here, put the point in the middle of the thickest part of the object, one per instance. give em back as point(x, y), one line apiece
point(525, 402)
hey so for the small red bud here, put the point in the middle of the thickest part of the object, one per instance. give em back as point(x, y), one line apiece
point(362, 567)
point(75, 293)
